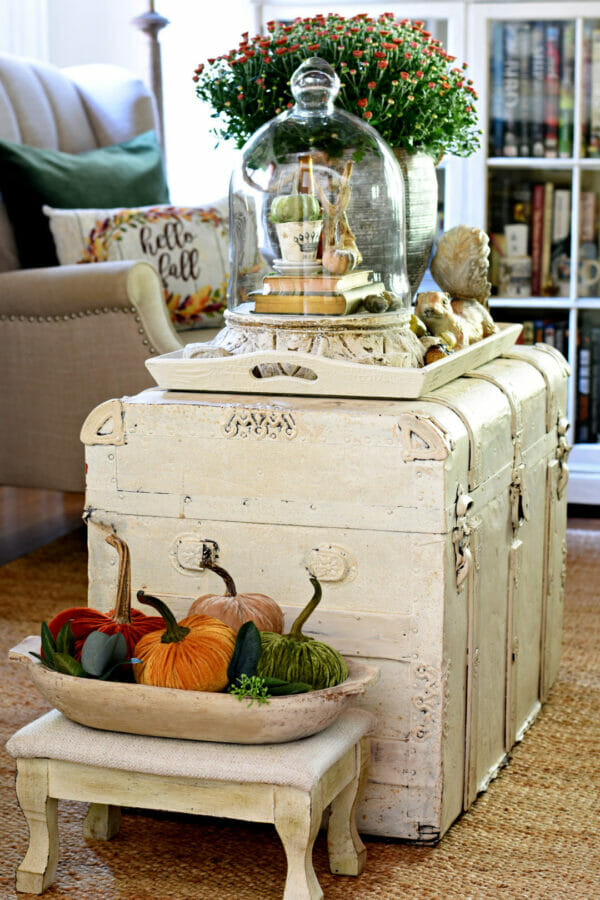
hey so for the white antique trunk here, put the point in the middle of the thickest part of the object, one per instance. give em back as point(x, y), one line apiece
point(437, 527)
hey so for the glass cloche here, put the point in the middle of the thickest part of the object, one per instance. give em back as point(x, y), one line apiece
point(317, 211)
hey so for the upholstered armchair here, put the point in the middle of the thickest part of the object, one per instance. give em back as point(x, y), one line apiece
point(70, 336)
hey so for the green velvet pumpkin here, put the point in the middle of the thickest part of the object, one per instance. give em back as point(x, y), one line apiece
point(295, 208)
point(296, 657)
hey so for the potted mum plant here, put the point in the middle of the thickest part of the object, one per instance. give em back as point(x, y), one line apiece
point(394, 74)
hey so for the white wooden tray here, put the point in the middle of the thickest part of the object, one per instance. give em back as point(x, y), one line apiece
point(330, 377)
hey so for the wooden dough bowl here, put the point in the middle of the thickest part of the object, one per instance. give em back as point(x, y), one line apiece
point(195, 715)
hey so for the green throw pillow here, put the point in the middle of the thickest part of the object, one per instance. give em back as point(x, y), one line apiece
point(127, 174)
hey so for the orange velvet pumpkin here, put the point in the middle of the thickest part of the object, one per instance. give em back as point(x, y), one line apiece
point(191, 655)
point(234, 609)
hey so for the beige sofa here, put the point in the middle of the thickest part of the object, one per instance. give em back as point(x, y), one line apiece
point(71, 336)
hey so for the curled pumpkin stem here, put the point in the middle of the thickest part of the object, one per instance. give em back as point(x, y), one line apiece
point(230, 590)
point(122, 612)
point(296, 630)
point(174, 632)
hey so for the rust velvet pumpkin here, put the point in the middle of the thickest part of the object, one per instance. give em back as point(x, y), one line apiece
point(132, 623)
point(234, 609)
point(191, 655)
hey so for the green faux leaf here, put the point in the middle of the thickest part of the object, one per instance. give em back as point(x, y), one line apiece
point(277, 687)
point(65, 642)
point(102, 652)
point(246, 653)
point(48, 644)
point(43, 661)
point(106, 675)
point(67, 665)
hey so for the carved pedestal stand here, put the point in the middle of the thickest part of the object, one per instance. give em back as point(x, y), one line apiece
point(372, 339)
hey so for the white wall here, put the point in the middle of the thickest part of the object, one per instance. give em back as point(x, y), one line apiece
point(204, 28)
point(80, 32)
point(23, 28)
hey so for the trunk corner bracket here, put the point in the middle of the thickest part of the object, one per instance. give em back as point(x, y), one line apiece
point(422, 438)
point(104, 425)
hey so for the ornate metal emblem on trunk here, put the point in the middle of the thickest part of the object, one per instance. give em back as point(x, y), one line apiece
point(260, 424)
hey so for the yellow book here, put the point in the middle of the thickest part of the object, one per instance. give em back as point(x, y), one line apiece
point(333, 304)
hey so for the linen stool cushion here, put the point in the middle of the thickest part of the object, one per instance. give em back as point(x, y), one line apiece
point(298, 764)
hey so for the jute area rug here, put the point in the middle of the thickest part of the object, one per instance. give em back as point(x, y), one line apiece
point(534, 834)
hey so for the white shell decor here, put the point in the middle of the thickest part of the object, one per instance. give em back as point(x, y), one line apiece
point(457, 322)
point(460, 263)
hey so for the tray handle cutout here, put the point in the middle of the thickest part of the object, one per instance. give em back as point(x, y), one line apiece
point(276, 369)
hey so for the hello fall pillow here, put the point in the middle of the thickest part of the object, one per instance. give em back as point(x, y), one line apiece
point(188, 246)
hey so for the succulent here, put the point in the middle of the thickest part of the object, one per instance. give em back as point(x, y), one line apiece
point(101, 654)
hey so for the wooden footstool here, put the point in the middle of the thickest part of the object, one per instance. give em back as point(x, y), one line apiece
point(289, 785)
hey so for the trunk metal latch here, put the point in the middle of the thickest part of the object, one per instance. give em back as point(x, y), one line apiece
point(461, 537)
point(563, 449)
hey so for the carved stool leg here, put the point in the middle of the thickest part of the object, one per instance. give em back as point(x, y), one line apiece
point(102, 822)
point(347, 853)
point(297, 824)
point(37, 870)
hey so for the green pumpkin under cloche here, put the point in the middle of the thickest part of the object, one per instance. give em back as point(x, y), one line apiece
point(296, 657)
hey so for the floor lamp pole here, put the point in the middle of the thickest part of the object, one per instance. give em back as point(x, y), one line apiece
point(151, 23)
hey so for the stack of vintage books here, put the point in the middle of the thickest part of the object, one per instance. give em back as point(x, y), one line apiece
point(318, 294)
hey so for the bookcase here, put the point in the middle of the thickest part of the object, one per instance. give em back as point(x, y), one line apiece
point(525, 58)
point(537, 69)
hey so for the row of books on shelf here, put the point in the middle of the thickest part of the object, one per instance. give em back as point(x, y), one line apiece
point(530, 240)
point(532, 67)
point(546, 331)
point(587, 427)
point(532, 89)
point(556, 333)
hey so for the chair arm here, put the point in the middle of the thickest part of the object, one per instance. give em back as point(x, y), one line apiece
point(71, 337)
point(75, 291)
